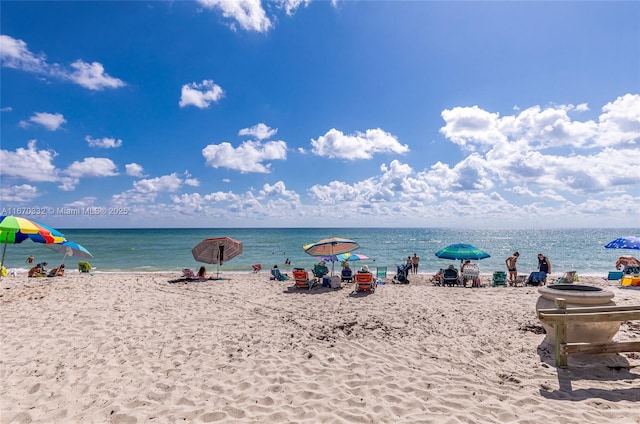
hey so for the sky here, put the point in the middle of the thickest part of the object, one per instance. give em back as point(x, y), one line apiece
point(295, 113)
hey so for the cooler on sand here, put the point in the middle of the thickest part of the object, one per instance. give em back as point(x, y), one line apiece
point(630, 280)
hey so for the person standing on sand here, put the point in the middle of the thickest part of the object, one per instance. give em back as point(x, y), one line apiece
point(511, 266)
point(544, 265)
point(415, 261)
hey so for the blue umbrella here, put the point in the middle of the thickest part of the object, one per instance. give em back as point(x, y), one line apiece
point(344, 257)
point(70, 248)
point(629, 242)
point(462, 252)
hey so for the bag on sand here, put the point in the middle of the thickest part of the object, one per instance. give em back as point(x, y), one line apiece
point(335, 282)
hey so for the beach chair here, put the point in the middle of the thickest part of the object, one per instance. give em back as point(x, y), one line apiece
point(450, 277)
point(346, 275)
point(364, 282)
point(519, 281)
point(381, 273)
point(84, 267)
point(470, 272)
point(567, 278)
point(188, 273)
point(277, 275)
point(320, 271)
point(302, 280)
point(614, 275)
point(499, 278)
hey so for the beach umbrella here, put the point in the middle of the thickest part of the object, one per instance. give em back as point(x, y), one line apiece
point(344, 257)
point(217, 250)
point(629, 242)
point(69, 248)
point(15, 229)
point(462, 252)
point(330, 247)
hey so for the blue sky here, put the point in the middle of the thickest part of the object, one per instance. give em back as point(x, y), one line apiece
point(300, 113)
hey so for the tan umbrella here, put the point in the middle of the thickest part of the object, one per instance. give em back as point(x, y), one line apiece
point(217, 250)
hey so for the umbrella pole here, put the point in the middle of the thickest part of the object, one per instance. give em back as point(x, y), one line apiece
point(62, 263)
point(333, 263)
point(4, 251)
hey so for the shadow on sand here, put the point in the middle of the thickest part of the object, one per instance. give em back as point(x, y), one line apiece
point(595, 368)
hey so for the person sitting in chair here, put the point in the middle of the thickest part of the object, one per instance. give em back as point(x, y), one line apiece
point(320, 270)
point(365, 269)
point(277, 275)
point(347, 274)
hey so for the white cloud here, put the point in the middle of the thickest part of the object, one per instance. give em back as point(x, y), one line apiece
point(6, 109)
point(29, 164)
point(619, 123)
point(20, 194)
point(468, 175)
point(335, 144)
point(168, 183)
point(200, 95)
point(103, 143)
point(536, 128)
point(92, 76)
point(247, 157)
point(249, 14)
point(92, 167)
point(468, 125)
point(15, 54)
point(278, 191)
point(51, 121)
point(147, 190)
point(133, 170)
point(523, 151)
point(290, 6)
point(259, 131)
point(82, 203)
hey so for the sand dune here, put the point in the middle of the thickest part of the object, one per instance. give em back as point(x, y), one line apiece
point(116, 348)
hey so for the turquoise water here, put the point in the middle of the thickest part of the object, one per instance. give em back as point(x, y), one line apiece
point(154, 250)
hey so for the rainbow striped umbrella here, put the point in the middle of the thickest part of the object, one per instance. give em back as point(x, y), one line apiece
point(330, 247)
point(15, 229)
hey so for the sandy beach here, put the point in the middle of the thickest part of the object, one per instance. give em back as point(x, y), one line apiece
point(134, 348)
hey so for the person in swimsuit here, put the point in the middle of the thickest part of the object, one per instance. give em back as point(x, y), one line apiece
point(415, 260)
point(511, 266)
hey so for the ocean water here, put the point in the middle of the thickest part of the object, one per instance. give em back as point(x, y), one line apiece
point(156, 250)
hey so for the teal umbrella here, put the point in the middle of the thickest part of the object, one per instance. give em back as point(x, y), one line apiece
point(462, 252)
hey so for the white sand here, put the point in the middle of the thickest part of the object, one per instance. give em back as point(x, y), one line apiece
point(115, 348)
